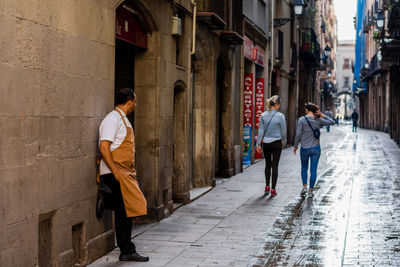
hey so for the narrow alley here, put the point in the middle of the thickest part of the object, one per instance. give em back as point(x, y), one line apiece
point(352, 219)
point(136, 131)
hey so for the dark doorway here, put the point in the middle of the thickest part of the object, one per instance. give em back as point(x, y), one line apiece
point(275, 83)
point(178, 177)
point(124, 67)
point(292, 112)
point(220, 142)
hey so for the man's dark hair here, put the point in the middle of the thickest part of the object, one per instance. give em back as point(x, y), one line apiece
point(124, 95)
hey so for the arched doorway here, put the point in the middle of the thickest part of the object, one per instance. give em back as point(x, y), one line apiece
point(220, 109)
point(130, 38)
point(135, 65)
point(180, 183)
point(223, 127)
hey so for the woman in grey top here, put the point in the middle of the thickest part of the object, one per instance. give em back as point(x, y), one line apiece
point(272, 134)
point(310, 148)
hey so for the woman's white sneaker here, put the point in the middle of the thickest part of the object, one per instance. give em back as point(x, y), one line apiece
point(303, 192)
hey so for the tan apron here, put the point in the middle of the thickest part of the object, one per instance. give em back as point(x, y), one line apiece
point(124, 156)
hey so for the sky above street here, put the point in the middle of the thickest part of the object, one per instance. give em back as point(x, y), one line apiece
point(345, 11)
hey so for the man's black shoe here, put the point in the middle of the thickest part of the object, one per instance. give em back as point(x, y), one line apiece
point(133, 257)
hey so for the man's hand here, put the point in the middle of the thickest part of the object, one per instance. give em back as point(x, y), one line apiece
point(107, 157)
point(259, 150)
point(295, 149)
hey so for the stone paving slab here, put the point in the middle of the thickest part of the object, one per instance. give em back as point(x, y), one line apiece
point(228, 225)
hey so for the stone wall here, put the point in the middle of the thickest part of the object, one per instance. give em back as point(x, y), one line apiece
point(57, 76)
point(56, 69)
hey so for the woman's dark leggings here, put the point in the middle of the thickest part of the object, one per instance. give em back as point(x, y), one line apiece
point(272, 154)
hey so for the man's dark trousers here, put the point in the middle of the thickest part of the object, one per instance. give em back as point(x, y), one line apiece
point(123, 224)
point(354, 126)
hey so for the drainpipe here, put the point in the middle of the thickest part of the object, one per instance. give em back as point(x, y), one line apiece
point(272, 47)
point(193, 2)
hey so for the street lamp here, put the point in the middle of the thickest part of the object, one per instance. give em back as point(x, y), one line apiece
point(298, 7)
point(327, 51)
point(380, 20)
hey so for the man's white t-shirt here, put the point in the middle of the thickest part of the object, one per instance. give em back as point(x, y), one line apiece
point(112, 129)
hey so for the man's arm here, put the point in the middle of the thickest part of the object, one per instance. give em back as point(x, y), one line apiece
point(260, 132)
point(107, 157)
point(326, 121)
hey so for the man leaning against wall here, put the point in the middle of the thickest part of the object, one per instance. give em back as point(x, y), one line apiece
point(119, 189)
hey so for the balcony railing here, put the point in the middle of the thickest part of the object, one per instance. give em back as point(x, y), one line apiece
point(216, 13)
point(217, 8)
point(374, 68)
point(309, 48)
point(390, 50)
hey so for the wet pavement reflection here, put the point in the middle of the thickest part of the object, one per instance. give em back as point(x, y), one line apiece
point(354, 217)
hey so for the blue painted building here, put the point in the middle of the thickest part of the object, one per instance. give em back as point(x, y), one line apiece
point(360, 45)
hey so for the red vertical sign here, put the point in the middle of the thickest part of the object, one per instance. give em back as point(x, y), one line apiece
point(248, 100)
point(259, 100)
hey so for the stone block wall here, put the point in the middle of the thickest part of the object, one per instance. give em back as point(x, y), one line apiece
point(57, 66)
point(56, 69)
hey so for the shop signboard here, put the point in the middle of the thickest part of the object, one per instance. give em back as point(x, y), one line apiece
point(248, 48)
point(260, 55)
point(128, 28)
point(259, 100)
point(248, 100)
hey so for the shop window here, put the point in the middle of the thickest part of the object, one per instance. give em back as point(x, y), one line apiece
point(280, 46)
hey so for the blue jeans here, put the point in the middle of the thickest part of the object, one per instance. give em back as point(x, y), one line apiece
point(328, 127)
point(312, 154)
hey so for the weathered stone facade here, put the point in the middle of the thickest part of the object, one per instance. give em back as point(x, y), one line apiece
point(217, 79)
point(60, 65)
point(56, 69)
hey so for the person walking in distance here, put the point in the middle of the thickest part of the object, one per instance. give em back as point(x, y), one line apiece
point(329, 114)
point(354, 117)
point(272, 137)
point(119, 189)
point(307, 133)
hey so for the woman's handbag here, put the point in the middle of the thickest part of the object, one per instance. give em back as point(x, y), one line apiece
point(316, 132)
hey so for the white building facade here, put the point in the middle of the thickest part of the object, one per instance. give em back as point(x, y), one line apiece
point(344, 78)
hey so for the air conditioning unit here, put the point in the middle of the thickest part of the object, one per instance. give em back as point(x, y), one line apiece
point(176, 26)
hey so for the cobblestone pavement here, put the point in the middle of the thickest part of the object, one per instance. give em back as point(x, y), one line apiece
point(354, 218)
point(236, 225)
